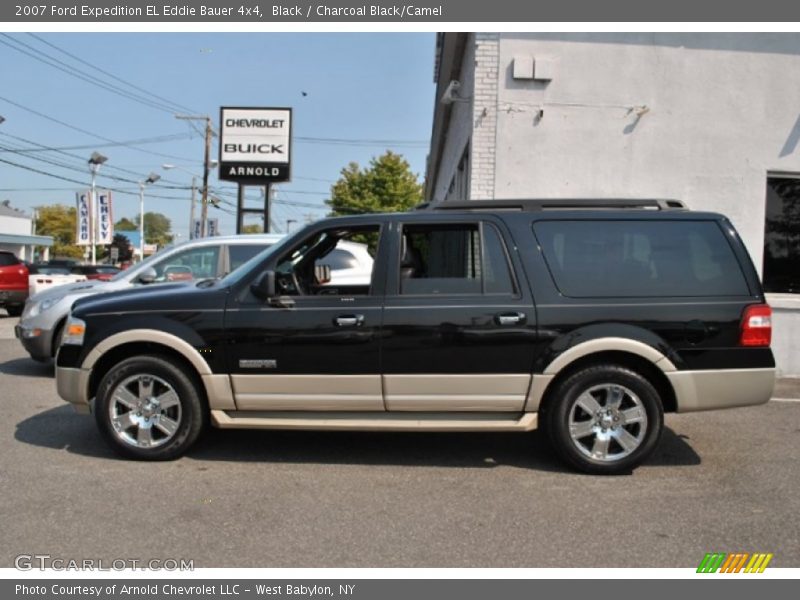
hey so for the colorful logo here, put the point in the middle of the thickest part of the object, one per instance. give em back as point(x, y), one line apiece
point(739, 562)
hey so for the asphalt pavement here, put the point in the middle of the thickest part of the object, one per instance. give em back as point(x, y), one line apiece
point(721, 481)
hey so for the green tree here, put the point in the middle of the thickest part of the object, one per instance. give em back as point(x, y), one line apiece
point(59, 222)
point(125, 224)
point(386, 185)
point(157, 227)
point(123, 246)
point(252, 228)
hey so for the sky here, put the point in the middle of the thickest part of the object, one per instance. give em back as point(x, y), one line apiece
point(364, 94)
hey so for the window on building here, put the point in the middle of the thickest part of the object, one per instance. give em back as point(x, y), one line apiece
point(782, 236)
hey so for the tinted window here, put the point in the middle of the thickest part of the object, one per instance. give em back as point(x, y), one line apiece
point(241, 253)
point(7, 259)
point(640, 258)
point(452, 259)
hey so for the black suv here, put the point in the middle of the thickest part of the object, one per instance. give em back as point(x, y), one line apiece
point(589, 319)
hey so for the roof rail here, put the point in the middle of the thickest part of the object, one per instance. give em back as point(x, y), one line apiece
point(557, 204)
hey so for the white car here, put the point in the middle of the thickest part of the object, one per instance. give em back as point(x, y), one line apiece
point(44, 277)
point(350, 263)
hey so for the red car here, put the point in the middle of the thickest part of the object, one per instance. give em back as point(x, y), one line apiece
point(13, 283)
point(99, 272)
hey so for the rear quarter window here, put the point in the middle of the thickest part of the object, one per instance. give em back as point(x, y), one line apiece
point(606, 258)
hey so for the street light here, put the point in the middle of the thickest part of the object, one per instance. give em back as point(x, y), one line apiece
point(95, 160)
point(152, 178)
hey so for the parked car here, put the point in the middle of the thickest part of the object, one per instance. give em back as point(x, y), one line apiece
point(62, 262)
point(588, 319)
point(100, 272)
point(13, 283)
point(43, 319)
point(43, 276)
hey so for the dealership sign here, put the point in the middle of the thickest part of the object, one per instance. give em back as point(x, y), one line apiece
point(83, 233)
point(255, 144)
point(97, 215)
point(105, 221)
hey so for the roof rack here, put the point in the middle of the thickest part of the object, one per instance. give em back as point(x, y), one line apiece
point(558, 204)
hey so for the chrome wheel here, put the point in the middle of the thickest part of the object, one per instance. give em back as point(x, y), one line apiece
point(145, 411)
point(607, 422)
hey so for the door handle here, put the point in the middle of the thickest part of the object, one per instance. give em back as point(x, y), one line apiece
point(349, 321)
point(512, 318)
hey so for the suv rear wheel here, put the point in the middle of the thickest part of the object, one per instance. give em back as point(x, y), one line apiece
point(604, 419)
point(148, 407)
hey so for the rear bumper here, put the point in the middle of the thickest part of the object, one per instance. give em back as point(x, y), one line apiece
point(72, 386)
point(726, 388)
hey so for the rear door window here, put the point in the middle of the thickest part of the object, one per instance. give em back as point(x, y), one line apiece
point(463, 258)
point(606, 258)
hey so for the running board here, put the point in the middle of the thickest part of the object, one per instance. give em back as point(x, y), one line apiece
point(373, 421)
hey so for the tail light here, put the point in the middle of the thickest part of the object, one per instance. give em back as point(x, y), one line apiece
point(756, 326)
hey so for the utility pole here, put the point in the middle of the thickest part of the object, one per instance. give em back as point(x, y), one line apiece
point(209, 133)
point(206, 169)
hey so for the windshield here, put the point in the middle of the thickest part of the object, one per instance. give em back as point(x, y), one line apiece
point(242, 271)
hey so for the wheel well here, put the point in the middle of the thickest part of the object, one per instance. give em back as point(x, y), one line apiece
point(636, 363)
point(123, 351)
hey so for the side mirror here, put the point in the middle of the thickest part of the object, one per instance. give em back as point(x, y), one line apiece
point(264, 286)
point(148, 275)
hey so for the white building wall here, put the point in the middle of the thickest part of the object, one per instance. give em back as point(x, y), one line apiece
point(460, 128)
point(15, 225)
point(484, 115)
point(723, 110)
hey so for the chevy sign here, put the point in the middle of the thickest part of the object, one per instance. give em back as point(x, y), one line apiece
point(255, 144)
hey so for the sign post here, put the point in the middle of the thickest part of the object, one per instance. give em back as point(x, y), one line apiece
point(255, 149)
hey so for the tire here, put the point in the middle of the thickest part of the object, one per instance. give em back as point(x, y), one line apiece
point(15, 310)
point(163, 426)
point(604, 419)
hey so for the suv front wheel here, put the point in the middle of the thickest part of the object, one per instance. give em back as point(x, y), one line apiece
point(147, 407)
point(604, 419)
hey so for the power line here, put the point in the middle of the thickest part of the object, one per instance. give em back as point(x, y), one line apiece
point(78, 157)
point(49, 60)
point(88, 64)
point(90, 133)
point(77, 168)
point(151, 140)
point(83, 183)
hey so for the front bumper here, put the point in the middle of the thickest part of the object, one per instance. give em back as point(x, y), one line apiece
point(37, 341)
point(73, 385)
point(13, 297)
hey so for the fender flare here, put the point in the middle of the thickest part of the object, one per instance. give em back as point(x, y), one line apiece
point(609, 344)
point(152, 336)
